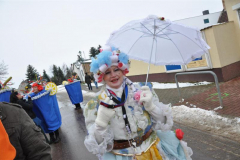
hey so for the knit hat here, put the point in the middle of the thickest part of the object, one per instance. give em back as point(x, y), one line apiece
point(40, 88)
point(109, 56)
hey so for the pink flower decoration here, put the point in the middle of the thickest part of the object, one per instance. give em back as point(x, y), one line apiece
point(137, 95)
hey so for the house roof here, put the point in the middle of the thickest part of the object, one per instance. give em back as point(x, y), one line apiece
point(223, 17)
point(87, 61)
point(212, 26)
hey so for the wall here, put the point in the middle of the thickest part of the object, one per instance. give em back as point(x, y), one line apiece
point(86, 67)
point(232, 16)
point(226, 42)
point(198, 21)
point(139, 68)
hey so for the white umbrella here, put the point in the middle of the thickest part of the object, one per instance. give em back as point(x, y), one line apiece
point(158, 41)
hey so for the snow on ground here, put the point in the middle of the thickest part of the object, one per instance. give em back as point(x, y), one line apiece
point(61, 88)
point(194, 117)
point(93, 84)
point(207, 120)
point(88, 93)
point(157, 85)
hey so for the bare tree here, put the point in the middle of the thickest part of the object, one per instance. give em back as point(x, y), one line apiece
point(64, 68)
point(3, 70)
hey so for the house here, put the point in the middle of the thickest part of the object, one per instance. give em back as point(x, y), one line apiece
point(221, 30)
point(86, 66)
point(22, 85)
point(78, 68)
point(81, 68)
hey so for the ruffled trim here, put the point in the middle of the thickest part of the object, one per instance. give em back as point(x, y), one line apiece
point(172, 62)
point(187, 150)
point(163, 154)
point(167, 113)
point(92, 144)
point(203, 46)
point(43, 94)
point(5, 90)
point(71, 83)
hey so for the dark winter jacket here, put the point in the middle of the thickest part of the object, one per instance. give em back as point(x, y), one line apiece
point(24, 135)
point(93, 78)
point(27, 106)
point(88, 79)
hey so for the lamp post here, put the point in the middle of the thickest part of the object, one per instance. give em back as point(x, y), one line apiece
point(81, 60)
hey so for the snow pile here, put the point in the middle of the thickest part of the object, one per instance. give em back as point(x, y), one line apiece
point(207, 120)
point(157, 85)
point(93, 84)
point(61, 88)
point(88, 93)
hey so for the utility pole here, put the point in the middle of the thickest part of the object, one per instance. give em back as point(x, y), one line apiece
point(84, 55)
point(81, 60)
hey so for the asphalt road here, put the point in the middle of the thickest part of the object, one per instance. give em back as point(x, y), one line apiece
point(72, 132)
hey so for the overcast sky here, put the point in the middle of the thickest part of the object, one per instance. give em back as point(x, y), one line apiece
point(42, 33)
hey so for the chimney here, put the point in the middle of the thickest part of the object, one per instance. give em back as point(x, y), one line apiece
point(224, 7)
point(205, 12)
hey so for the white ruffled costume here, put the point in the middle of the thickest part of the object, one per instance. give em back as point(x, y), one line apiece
point(100, 139)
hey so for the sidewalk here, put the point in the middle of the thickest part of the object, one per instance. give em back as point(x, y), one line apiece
point(206, 97)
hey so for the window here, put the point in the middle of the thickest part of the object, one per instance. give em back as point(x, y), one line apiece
point(238, 11)
point(173, 67)
point(206, 21)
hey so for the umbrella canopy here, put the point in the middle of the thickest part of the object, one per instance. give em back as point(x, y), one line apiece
point(158, 41)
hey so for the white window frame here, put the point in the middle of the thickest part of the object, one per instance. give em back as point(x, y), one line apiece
point(185, 68)
point(237, 8)
point(207, 57)
point(176, 70)
point(238, 14)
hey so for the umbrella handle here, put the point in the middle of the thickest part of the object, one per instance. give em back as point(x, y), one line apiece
point(149, 61)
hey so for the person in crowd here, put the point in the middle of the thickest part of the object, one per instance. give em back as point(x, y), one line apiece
point(88, 80)
point(127, 121)
point(27, 105)
point(44, 82)
point(7, 151)
point(26, 90)
point(75, 93)
point(24, 135)
point(95, 82)
point(70, 80)
point(17, 98)
point(51, 118)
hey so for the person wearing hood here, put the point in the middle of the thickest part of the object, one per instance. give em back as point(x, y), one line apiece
point(24, 135)
point(27, 105)
point(46, 108)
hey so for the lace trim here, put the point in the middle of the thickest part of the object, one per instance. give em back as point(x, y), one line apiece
point(5, 90)
point(92, 144)
point(40, 95)
point(167, 112)
point(71, 83)
point(187, 150)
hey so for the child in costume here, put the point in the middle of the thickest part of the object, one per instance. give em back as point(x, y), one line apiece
point(5, 94)
point(5, 91)
point(46, 109)
point(75, 93)
point(127, 121)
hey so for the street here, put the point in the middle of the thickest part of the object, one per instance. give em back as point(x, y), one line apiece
point(72, 132)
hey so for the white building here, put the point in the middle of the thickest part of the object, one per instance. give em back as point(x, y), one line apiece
point(202, 21)
point(78, 68)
